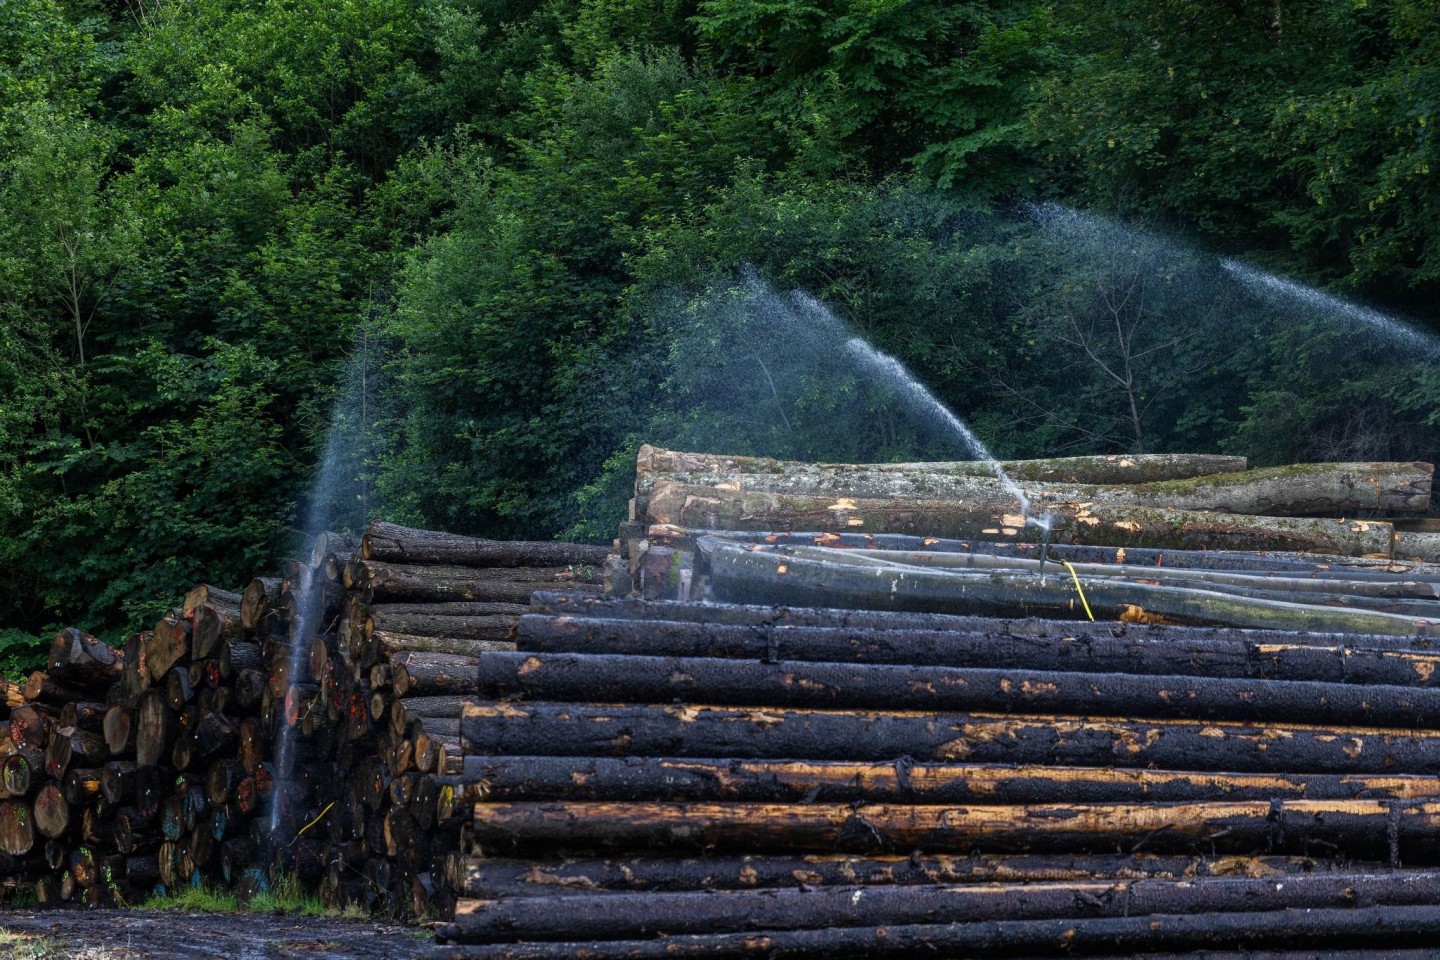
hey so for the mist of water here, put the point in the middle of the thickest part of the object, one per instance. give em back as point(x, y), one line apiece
point(1329, 306)
point(337, 501)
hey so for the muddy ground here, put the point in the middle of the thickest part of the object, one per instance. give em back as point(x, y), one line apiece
point(177, 935)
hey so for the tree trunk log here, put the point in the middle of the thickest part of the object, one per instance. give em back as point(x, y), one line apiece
point(615, 779)
point(1089, 523)
point(749, 576)
point(390, 645)
point(430, 674)
point(491, 878)
point(656, 462)
point(1301, 490)
point(622, 915)
point(583, 678)
point(1083, 648)
point(79, 660)
point(546, 729)
point(385, 582)
point(397, 544)
point(1375, 931)
point(495, 627)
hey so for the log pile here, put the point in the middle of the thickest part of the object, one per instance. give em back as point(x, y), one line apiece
point(298, 728)
point(663, 779)
point(1160, 501)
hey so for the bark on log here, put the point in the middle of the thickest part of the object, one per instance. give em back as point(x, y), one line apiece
point(391, 645)
point(493, 627)
point(1083, 648)
point(1358, 828)
point(397, 544)
point(614, 779)
point(260, 597)
point(386, 582)
point(1095, 523)
point(750, 576)
point(576, 730)
point(491, 878)
point(204, 593)
point(654, 462)
point(1366, 928)
point(593, 620)
point(428, 674)
point(79, 660)
point(583, 678)
point(626, 915)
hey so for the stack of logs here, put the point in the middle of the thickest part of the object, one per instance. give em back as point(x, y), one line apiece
point(671, 779)
point(301, 728)
point(1161, 501)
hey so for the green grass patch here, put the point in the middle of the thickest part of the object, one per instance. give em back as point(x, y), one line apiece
point(285, 896)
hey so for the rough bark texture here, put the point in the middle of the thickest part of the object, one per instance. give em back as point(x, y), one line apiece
point(1080, 522)
point(397, 544)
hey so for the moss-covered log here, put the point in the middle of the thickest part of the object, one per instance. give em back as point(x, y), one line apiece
point(549, 729)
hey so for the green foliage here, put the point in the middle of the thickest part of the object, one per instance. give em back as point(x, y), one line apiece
point(497, 245)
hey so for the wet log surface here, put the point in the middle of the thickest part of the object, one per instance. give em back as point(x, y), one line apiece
point(566, 729)
point(1082, 648)
point(652, 462)
point(665, 680)
point(392, 542)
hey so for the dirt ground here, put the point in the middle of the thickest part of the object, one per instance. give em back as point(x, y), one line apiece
point(176, 935)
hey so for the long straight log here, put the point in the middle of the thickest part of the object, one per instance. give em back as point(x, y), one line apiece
point(428, 674)
point(1300, 490)
point(1232, 560)
point(1096, 523)
point(1359, 828)
point(624, 915)
point(547, 729)
point(756, 575)
point(520, 778)
point(493, 627)
point(392, 542)
point(491, 878)
point(663, 680)
point(654, 462)
point(391, 645)
point(576, 613)
point(1076, 647)
point(1372, 930)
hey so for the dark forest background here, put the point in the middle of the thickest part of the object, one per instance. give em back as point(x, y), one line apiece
point(515, 240)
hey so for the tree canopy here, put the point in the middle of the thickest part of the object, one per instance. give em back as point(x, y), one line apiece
point(544, 233)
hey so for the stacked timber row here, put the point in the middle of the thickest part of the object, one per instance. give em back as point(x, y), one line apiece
point(1158, 501)
point(297, 729)
point(683, 779)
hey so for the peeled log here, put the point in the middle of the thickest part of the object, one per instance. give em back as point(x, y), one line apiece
point(617, 779)
point(388, 582)
point(655, 462)
point(1073, 646)
point(749, 576)
point(1001, 520)
point(392, 542)
point(576, 730)
point(622, 915)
